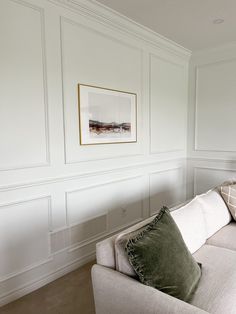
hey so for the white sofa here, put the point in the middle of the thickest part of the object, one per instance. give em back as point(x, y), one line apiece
point(209, 233)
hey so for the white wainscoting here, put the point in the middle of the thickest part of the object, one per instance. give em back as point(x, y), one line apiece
point(212, 108)
point(215, 106)
point(206, 178)
point(168, 104)
point(23, 115)
point(90, 57)
point(57, 198)
point(167, 188)
point(25, 242)
point(211, 126)
point(120, 200)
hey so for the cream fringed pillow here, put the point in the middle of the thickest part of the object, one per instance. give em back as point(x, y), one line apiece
point(228, 193)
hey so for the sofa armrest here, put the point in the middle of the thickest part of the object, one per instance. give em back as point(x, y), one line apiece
point(115, 293)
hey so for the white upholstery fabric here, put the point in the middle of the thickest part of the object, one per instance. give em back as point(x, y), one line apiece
point(115, 293)
point(105, 253)
point(122, 262)
point(215, 211)
point(190, 221)
point(216, 292)
point(105, 250)
point(225, 237)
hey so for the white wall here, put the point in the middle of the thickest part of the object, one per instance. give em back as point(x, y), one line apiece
point(58, 198)
point(211, 124)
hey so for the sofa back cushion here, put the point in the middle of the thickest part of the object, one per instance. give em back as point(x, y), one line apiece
point(215, 211)
point(105, 250)
point(190, 221)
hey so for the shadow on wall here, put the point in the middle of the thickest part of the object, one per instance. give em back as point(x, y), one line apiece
point(208, 178)
point(122, 214)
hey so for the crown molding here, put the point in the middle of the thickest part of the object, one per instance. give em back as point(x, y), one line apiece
point(117, 21)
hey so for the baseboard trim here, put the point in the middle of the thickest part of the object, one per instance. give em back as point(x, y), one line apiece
point(44, 280)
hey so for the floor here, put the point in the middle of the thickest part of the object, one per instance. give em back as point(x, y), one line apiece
point(70, 294)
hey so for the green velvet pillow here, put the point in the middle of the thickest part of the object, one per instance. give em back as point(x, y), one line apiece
point(161, 259)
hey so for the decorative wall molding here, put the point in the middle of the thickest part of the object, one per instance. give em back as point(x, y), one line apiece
point(44, 261)
point(69, 255)
point(108, 230)
point(115, 40)
point(44, 64)
point(220, 160)
point(101, 236)
point(211, 168)
point(179, 168)
point(182, 66)
point(91, 186)
point(24, 270)
point(166, 170)
point(166, 151)
point(45, 88)
point(167, 60)
point(58, 179)
point(214, 168)
point(106, 16)
point(43, 44)
point(196, 69)
point(93, 239)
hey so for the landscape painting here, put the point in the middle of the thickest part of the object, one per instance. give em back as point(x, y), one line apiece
point(106, 116)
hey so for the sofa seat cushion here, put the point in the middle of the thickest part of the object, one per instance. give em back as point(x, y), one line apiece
point(225, 237)
point(216, 292)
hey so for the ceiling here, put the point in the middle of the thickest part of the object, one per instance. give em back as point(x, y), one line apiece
point(187, 22)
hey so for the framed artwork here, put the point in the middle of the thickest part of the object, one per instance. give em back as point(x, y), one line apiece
point(106, 116)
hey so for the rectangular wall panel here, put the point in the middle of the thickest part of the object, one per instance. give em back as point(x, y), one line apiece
point(127, 207)
point(23, 116)
point(215, 107)
point(88, 203)
point(167, 188)
point(93, 58)
point(121, 202)
point(87, 230)
point(24, 234)
point(168, 103)
point(208, 178)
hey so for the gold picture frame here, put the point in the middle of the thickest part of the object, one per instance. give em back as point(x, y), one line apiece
point(106, 116)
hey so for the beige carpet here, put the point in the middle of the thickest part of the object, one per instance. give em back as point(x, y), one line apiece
point(70, 294)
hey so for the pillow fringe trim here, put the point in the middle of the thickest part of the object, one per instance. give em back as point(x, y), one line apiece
point(129, 246)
